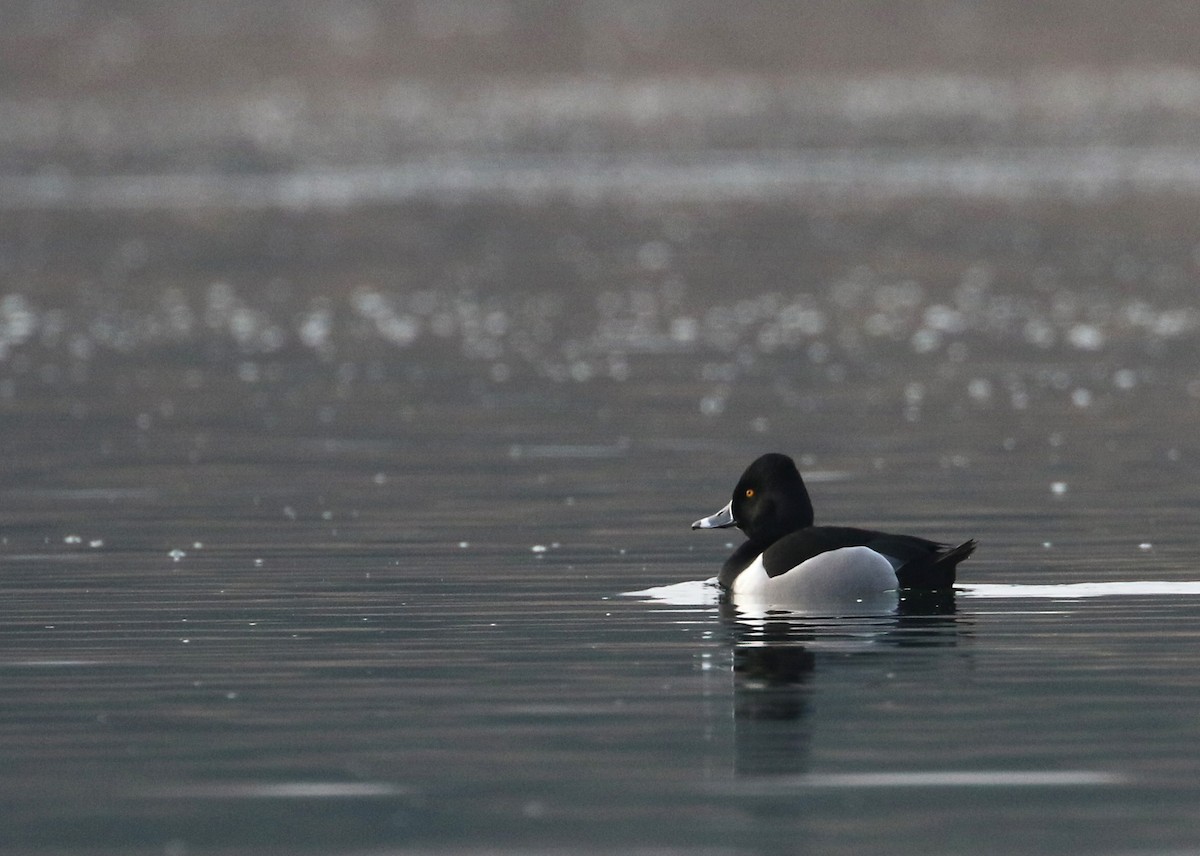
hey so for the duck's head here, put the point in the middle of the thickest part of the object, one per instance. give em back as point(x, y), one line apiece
point(770, 501)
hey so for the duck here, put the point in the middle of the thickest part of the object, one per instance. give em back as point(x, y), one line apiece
point(786, 558)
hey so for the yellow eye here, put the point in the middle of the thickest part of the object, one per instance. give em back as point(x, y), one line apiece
point(749, 492)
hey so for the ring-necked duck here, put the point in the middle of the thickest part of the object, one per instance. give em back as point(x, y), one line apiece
point(786, 557)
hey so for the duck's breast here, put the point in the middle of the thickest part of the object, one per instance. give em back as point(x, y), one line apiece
point(845, 575)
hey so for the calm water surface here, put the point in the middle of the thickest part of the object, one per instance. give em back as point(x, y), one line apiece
point(228, 630)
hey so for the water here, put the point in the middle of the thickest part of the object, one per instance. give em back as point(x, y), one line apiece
point(355, 402)
point(250, 626)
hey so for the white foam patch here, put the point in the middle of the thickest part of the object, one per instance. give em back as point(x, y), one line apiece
point(706, 592)
point(1073, 591)
point(934, 779)
point(691, 593)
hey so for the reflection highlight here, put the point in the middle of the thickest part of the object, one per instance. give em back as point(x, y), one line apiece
point(1071, 591)
point(931, 779)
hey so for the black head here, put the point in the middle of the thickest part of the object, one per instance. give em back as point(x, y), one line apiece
point(770, 499)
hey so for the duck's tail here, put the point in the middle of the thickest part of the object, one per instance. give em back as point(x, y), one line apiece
point(938, 571)
point(946, 563)
point(956, 554)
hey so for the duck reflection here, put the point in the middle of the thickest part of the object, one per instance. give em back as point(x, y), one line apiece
point(771, 702)
point(778, 656)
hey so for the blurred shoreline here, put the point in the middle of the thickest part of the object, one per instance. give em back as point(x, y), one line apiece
point(849, 176)
point(558, 190)
point(294, 125)
point(282, 85)
point(62, 47)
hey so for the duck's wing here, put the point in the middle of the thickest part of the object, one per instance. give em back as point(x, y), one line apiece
point(918, 562)
point(803, 544)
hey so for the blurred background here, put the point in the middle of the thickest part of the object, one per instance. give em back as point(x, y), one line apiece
point(939, 231)
point(548, 190)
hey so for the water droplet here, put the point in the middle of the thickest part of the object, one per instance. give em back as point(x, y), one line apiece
point(654, 255)
point(1125, 379)
point(980, 389)
point(1086, 337)
point(684, 330)
point(925, 341)
point(534, 809)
